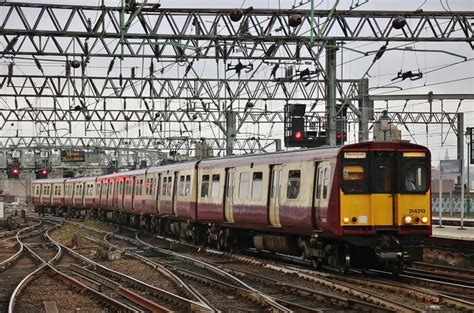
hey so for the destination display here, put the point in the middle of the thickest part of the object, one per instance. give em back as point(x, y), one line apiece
point(73, 156)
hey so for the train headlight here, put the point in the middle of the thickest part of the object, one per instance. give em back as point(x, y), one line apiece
point(407, 220)
point(424, 220)
point(345, 220)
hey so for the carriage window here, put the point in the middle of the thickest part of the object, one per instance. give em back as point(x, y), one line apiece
point(293, 189)
point(415, 178)
point(181, 185)
point(319, 183)
point(205, 186)
point(187, 188)
point(326, 183)
point(140, 187)
point(257, 185)
point(169, 188)
point(164, 184)
point(353, 178)
point(384, 163)
point(215, 186)
point(244, 185)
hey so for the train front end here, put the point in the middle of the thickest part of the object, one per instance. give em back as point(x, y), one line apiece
point(385, 202)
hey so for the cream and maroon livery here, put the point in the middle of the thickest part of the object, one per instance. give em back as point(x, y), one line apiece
point(320, 201)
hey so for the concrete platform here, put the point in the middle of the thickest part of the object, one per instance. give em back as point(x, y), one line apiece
point(453, 232)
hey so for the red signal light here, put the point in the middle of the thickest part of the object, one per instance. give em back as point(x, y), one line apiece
point(14, 172)
point(298, 135)
point(44, 172)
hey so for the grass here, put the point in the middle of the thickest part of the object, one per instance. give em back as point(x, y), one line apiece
point(97, 224)
point(66, 234)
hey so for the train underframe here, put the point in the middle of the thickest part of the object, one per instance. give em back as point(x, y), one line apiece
point(386, 251)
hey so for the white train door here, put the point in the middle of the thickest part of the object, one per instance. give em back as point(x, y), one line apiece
point(229, 195)
point(275, 191)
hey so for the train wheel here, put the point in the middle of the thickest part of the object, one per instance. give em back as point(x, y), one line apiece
point(196, 235)
point(161, 228)
point(316, 263)
point(344, 259)
point(221, 241)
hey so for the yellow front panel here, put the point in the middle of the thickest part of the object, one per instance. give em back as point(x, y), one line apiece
point(414, 205)
point(382, 209)
point(358, 206)
point(368, 209)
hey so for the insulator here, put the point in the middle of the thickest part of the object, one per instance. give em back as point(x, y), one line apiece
point(133, 72)
point(295, 20)
point(270, 50)
point(236, 15)
point(11, 44)
point(68, 68)
point(75, 63)
point(86, 48)
point(399, 22)
point(38, 65)
point(111, 66)
point(10, 70)
point(152, 69)
point(120, 79)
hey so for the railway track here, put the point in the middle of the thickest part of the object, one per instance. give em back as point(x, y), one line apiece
point(397, 297)
point(220, 290)
point(445, 273)
point(110, 277)
point(295, 293)
point(15, 266)
point(34, 284)
point(284, 288)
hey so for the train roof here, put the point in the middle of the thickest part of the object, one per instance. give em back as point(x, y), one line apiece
point(81, 179)
point(278, 157)
point(273, 157)
point(173, 166)
point(49, 181)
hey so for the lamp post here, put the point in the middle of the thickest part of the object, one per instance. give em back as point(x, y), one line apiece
point(469, 156)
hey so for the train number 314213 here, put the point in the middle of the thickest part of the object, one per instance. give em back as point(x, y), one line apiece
point(416, 211)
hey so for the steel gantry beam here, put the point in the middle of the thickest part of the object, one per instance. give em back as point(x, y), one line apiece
point(190, 26)
point(142, 144)
point(82, 70)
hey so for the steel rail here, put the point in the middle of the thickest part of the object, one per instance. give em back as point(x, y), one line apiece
point(418, 293)
point(158, 267)
point(6, 263)
point(266, 299)
point(45, 266)
point(310, 276)
point(191, 305)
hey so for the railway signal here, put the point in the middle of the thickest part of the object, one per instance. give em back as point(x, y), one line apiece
point(41, 173)
point(301, 131)
point(14, 172)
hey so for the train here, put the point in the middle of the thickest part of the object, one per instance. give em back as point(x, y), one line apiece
point(357, 205)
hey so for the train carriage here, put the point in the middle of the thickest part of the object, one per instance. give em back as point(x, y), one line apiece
point(48, 193)
point(356, 204)
point(57, 198)
point(89, 192)
point(69, 193)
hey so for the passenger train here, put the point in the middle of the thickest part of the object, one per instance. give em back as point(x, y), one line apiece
point(355, 205)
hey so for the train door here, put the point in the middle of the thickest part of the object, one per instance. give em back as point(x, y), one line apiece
point(229, 195)
point(321, 191)
point(275, 191)
point(174, 194)
point(382, 201)
point(158, 192)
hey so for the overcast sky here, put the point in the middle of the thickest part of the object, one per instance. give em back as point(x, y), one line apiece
point(456, 77)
